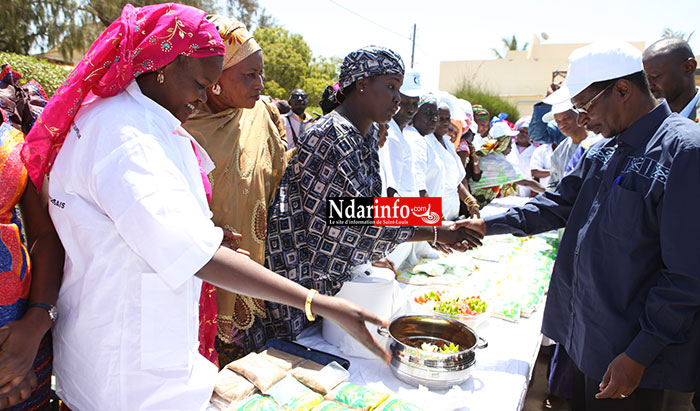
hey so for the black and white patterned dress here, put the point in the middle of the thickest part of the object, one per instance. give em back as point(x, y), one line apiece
point(333, 160)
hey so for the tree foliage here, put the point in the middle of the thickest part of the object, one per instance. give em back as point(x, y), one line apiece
point(289, 65)
point(49, 75)
point(249, 13)
point(508, 44)
point(287, 58)
point(72, 25)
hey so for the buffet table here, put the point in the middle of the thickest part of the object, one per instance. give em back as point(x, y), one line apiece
point(503, 369)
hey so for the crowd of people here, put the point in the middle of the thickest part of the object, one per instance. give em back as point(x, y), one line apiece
point(189, 229)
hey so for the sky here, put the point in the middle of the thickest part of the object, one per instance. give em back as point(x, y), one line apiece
point(456, 30)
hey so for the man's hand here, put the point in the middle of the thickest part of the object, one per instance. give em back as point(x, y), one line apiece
point(460, 238)
point(621, 378)
point(552, 88)
point(477, 225)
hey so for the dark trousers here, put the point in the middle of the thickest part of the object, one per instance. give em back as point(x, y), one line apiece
point(642, 399)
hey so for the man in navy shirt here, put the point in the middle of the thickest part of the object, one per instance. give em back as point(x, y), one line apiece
point(624, 297)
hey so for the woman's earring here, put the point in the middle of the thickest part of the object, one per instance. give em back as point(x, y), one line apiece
point(160, 78)
point(216, 89)
point(362, 90)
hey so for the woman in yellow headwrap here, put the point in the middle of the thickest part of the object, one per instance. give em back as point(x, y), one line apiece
point(243, 133)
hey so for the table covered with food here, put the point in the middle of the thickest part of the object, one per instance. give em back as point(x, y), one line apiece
point(464, 334)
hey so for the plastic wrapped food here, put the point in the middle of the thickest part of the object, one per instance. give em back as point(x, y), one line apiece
point(430, 267)
point(357, 396)
point(262, 373)
point(231, 386)
point(258, 403)
point(294, 395)
point(284, 360)
point(320, 378)
point(332, 406)
point(393, 404)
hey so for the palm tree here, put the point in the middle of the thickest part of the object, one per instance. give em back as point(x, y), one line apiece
point(509, 44)
point(669, 33)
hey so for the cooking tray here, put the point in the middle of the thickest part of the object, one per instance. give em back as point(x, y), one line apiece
point(303, 351)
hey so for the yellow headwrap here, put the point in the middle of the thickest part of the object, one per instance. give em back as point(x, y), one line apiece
point(237, 39)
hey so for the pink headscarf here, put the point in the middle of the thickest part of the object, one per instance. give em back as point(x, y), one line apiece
point(142, 40)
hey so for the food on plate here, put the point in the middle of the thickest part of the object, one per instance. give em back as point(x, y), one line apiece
point(429, 296)
point(461, 306)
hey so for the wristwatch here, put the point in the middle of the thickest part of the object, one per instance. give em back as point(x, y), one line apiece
point(53, 312)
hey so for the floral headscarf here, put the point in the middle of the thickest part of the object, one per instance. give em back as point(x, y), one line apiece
point(142, 40)
point(237, 39)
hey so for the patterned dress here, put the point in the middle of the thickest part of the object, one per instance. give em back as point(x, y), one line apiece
point(15, 273)
point(333, 160)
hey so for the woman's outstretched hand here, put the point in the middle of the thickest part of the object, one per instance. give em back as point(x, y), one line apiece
point(351, 318)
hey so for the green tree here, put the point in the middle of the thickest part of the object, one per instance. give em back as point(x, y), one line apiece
point(322, 72)
point(249, 13)
point(508, 44)
point(287, 59)
point(72, 25)
point(669, 33)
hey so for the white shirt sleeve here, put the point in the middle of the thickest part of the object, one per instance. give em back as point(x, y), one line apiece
point(144, 192)
point(419, 149)
point(390, 162)
point(539, 157)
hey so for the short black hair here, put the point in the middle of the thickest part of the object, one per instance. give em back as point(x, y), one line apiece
point(639, 79)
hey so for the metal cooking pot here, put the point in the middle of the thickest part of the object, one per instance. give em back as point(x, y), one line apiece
point(433, 369)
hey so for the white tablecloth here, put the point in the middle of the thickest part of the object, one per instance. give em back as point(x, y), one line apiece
point(500, 378)
point(499, 381)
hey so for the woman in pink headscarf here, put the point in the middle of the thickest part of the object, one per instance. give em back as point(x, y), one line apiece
point(129, 201)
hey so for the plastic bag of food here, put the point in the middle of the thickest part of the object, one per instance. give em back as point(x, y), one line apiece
point(284, 360)
point(333, 406)
point(231, 386)
point(357, 396)
point(394, 404)
point(262, 373)
point(320, 378)
point(257, 403)
point(294, 395)
point(430, 267)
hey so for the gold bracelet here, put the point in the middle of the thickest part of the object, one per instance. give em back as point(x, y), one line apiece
point(307, 306)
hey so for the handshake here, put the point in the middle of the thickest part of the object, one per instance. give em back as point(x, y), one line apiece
point(459, 235)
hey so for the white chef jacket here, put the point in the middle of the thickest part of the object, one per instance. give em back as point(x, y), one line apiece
point(128, 203)
point(396, 161)
point(428, 167)
point(453, 175)
point(522, 161)
point(542, 160)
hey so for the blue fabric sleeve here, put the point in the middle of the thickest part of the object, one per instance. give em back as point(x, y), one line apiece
point(540, 131)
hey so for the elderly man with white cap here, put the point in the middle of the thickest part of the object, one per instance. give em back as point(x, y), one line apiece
point(395, 156)
point(624, 298)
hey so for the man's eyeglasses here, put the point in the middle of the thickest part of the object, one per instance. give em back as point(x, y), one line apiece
point(297, 97)
point(584, 109)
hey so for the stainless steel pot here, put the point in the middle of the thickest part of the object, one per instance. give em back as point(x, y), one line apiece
point(434, 370)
